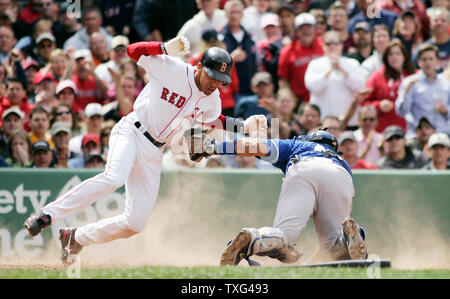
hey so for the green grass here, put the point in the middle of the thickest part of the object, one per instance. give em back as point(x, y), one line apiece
point(223, 273)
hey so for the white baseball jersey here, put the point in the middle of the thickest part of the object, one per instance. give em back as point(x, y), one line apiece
point(169, 102)
point(172, 96)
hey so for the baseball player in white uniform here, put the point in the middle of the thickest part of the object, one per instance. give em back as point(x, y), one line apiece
point(318, 183)
point(176, 95)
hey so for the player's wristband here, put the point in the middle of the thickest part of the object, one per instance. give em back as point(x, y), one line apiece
point(226, 148)
point(163, 48)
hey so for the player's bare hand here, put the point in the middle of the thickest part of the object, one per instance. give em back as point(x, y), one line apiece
point(177, 46)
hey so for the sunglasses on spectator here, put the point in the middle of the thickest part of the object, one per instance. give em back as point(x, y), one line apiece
point(333, 43)
point(66, 92)
point(42, 46)
point(365, 119)
point(395, 137)
point(62, 113)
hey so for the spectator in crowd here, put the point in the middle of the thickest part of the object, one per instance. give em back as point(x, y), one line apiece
point(62, 112)
point(371, 14)
point(398, 155)
point(99, 48)
point(425, 94)
point(40, 125)
point(30, 67)
point(118, 54)
point(92, 22)
point(299, 6)
point(32, 11)
point(93, 120)
point(9, 14)
point(407, 29)
point(7, 42)
point(94, 161)
point(439, 147)
point(66, 93)
point(117, 16)
point(380, 39)
point(91, 89)
point(241, 46)
point(338, 20)
point(128, 67)
point(440, 36)
point(262, 86)
point(41, 155)
point(152, 22)
point(309, 118)
point(19, 147)
point(362, 37)
point(436, 4)
point(423, 132)
point(384, 85)
point(45, 44)
point(333, 79)
point(61, 134)
point(270, 46)
point(252, 18)
point(321, 22)
point(28, 44)
point(105, 134)
point(125, 92)
point(59, 61)
point(229, 91)
point(287, 102)
point(333, 125)
point(209, 17)
point(416, 7)
point(90, 144)
point(368, 139)
point(287, 15)
point(294, 59)
point(16, 96)
point(349, 147)
point(66, 25)
point(12, 120)
point(45, 87)
point(350, 6)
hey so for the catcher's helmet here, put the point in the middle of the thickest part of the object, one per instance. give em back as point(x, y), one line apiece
point(324, 137)
point(218, 64)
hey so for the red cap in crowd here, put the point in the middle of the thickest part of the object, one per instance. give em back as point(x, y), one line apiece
point(90, 137)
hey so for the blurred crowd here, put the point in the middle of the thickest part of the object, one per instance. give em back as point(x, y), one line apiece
point(376, 73)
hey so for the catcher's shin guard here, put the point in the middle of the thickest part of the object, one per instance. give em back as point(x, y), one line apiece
point(69, 245)
point(354, 236)
point(266, 241)
point(35, 224)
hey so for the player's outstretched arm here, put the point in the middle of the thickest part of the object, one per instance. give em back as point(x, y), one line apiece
point(177, 46)
point(245, 146)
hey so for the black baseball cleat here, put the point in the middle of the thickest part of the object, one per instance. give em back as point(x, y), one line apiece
point(68, 244)
point(35, 224)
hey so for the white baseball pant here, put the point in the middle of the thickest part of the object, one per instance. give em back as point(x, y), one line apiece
point(315, 187)
point(132, 160)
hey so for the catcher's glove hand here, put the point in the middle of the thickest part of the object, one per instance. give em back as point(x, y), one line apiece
point(200, 145)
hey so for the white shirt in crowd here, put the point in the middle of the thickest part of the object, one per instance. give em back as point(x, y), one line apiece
point(194, 27)
point(334, 94)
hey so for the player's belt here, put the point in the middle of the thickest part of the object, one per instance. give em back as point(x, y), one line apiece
point(148, 136)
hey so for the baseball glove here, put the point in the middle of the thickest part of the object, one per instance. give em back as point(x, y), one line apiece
point(200, 145)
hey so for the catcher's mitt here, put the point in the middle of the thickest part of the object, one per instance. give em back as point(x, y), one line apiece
point(200, 145)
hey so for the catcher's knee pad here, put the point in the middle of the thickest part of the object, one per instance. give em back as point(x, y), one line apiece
point(270, 241)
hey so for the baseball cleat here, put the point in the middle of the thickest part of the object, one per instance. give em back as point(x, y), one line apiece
point(35, 224)
point(355, 243)
point(68, 244)
point(237, 249)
